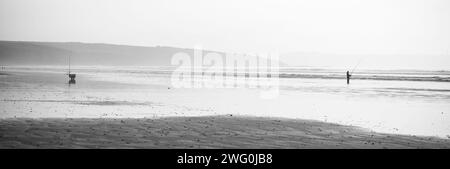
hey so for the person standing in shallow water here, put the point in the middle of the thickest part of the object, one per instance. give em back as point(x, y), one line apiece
point(348, 77)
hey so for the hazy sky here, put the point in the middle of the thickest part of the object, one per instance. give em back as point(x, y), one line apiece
point(376, 29)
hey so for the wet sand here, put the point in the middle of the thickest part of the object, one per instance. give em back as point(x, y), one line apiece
point(224, 131)
point(40, 110)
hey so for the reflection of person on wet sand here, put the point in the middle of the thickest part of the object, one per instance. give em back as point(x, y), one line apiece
point(348, 77)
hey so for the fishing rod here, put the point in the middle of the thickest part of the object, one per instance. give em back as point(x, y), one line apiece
point(69, 64)
point(356, 66)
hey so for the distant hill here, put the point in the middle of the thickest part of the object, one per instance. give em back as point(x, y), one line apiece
point(56, 53)
point(87, 54)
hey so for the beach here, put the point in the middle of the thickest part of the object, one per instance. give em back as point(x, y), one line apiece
point(110, 107)
point(199, 132)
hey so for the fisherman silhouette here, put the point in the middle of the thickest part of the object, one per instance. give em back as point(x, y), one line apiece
point(348, 77)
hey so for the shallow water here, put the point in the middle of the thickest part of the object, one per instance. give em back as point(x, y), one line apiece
point(405, 102)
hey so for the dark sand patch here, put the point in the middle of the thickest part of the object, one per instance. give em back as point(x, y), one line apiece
point(199, 132)
point(114, 103)
point(89, 102)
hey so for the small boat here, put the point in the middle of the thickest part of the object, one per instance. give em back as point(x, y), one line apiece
point(71, 75)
